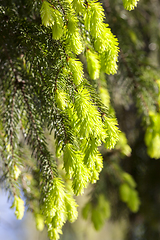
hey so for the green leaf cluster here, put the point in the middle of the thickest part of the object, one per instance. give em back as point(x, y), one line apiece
point(130, 4)
point(122, 145)
point(18, 204)
point(128, 194)
point(57, 207)
point(99, 213)
point(152, 136)
point(53, 18)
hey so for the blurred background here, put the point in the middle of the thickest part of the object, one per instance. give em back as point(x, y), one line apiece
point(25, 229)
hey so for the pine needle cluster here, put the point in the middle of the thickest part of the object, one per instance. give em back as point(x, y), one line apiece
point(44, 88)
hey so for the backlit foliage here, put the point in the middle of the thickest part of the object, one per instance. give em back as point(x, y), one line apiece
point(53, 57)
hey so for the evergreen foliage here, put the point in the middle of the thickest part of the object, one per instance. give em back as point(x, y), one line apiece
point(53, 58)
point(134, 94)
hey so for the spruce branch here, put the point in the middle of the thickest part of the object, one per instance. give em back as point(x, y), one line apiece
point(41, 151)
